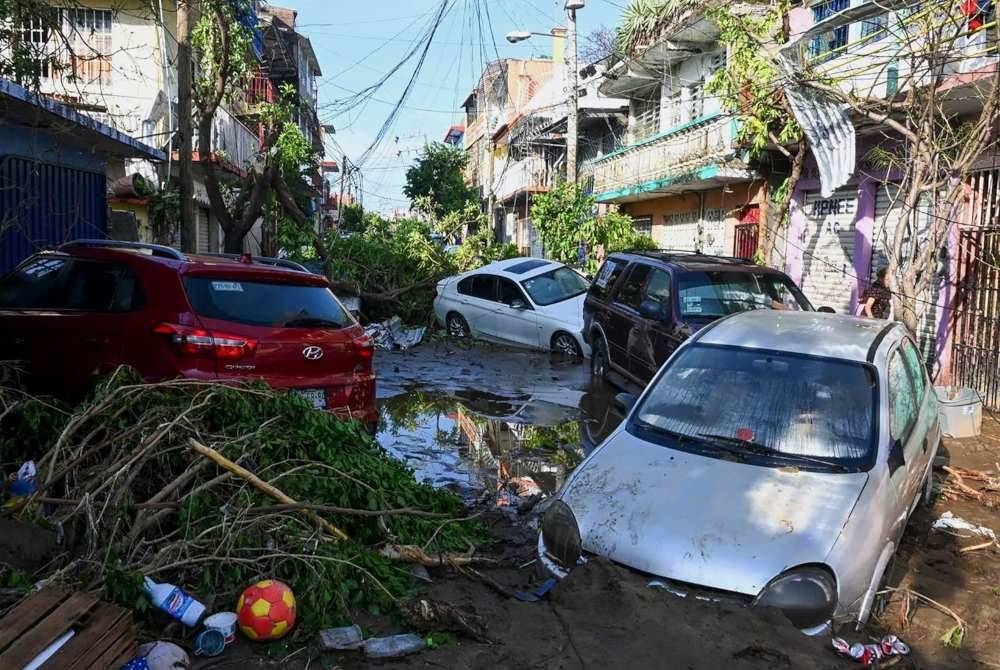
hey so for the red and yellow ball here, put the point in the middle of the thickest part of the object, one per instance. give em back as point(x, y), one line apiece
point(266, 610)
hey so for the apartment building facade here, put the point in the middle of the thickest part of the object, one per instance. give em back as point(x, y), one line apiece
point(680, 174)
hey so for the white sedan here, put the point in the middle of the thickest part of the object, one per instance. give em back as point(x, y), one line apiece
point(528, 302)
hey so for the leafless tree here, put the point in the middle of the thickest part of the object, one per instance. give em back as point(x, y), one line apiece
point(597, 45)
point(944, 116)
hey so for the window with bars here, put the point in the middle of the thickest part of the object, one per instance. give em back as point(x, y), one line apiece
point(834, 39)
point(89, 32)
point(77, 41)
point(643, 225)
point(646, 115)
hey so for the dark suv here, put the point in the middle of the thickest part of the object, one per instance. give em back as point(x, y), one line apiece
point(642, 305)
point(94, 305)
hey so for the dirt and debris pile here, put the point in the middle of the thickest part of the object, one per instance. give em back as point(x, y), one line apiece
point(213, 487)
point(613, 616)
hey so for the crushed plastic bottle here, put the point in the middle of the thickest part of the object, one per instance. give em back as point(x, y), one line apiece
point(394, 646)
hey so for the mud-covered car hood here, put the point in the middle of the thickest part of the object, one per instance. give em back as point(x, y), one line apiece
point(721, 524)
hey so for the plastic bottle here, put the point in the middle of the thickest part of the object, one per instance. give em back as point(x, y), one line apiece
point(395, 645)
point(175, 602)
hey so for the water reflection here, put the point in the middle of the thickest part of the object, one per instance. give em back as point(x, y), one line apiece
point(513, 447)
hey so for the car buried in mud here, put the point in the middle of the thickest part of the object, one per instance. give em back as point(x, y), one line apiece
point(773, 461)
point(527, 302)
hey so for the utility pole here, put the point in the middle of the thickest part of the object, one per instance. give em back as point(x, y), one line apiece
point(573, 118)
point(185, 127)
point(340, 203)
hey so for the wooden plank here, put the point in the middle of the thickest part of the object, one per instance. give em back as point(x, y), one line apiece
point(29, 645)
point(115, 638)
point(122, 648)
point(99, 631)
point(27, 613)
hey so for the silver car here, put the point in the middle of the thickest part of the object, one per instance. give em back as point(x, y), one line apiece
point(774, 460)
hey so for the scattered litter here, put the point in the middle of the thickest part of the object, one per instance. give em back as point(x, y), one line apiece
point(949, 521)
point(394, 646)
point(391, 335)
point(159, 656)
point(175, 602)
point(538, 593)
point(420, 573)
point(24, 480)
point(347, 637)
point(869, 654)
point(225, 623)
point(210, 642)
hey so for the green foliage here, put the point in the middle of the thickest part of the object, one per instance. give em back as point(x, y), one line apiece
point(352, 219)
point(564, 217)
point(748, 85)
point(437, 180)
point(211, 546)
point(642, 23)
point(165, 212)
point(479, 249)
point(224, 50)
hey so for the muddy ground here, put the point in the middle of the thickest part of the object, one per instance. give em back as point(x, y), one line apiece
point(501, 427)
point(485, 422)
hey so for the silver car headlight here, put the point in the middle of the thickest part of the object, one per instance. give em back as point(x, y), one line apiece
point(806, 595)
point(561, 534)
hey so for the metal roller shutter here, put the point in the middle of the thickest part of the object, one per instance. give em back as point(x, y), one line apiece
point(204, 232)
point(828, 249)
point(679, 232)
point(888, 206)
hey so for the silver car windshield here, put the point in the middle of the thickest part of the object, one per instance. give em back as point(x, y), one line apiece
point(767, 406)
point(555, 286)
point(718, 293)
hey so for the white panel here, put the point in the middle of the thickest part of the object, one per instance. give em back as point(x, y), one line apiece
point(679, 232)
point(828, 249)
point(204, 236)
point(713, 233)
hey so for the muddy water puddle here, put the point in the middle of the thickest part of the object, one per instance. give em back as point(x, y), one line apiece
point(508, 446)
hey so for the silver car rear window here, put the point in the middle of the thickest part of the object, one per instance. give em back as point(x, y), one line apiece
point(791, 404)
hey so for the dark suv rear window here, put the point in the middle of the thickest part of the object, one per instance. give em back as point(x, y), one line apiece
point(265, 304)
point(607, 276)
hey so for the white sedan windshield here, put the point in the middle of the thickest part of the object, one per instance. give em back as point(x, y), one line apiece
point(555, 286)
point(788, 404)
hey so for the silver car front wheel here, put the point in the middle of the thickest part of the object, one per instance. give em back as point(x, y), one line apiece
point(566, 344)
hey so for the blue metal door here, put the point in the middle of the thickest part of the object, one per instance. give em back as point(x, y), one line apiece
point(42, 205)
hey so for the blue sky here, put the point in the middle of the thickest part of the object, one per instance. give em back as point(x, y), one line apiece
point(359, 41)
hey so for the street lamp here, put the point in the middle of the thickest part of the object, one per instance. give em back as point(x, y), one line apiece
point(571, 64)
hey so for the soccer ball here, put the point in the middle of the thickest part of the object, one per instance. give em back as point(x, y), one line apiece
point(266, 610)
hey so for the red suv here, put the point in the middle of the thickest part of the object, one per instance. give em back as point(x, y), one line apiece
point(93, 305)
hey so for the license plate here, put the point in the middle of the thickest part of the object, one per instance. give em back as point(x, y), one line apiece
point(316, 396)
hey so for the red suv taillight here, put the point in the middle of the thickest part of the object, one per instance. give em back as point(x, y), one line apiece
point(188, 341)
point(364, 347)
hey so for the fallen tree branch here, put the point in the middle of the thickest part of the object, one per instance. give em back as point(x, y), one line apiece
point(962, 486)
point(260, 484)
point(412, 554)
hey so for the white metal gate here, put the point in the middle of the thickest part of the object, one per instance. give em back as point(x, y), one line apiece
point(204, 231)
point(679, 232)
point(828, 249)
point(713, 232)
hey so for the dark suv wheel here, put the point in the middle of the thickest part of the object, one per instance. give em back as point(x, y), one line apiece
point(599, 359)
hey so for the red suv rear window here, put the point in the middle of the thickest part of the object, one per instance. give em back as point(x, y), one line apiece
point(266, 304)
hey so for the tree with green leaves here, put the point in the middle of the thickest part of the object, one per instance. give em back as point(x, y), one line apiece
point(564, 218)
point(223, 46)
point(749, 88)
point(435, 184)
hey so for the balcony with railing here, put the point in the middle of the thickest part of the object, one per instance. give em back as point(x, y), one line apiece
point(656, 165)
point(530, 175)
